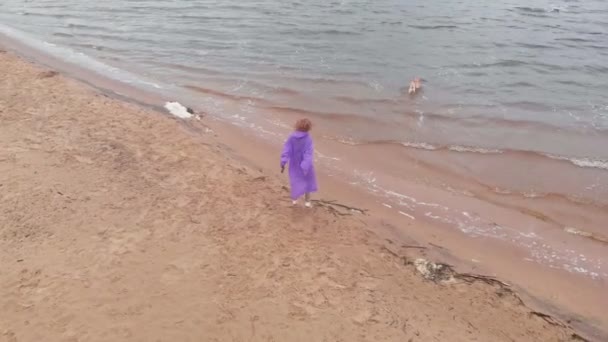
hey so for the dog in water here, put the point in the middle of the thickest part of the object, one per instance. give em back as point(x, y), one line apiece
point(415, 85)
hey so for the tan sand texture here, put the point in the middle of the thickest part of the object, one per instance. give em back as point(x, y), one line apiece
point(120, 224)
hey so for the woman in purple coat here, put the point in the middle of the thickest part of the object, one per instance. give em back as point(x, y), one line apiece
point(299, 153)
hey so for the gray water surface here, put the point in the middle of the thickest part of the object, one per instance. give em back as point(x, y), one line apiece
point(514, 61)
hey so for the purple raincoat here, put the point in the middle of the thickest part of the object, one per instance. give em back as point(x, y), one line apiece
point(298, 152)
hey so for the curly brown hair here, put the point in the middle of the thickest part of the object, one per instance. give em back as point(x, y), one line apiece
point(303, 125)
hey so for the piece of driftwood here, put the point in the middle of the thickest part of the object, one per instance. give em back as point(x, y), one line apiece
point(384, 248)
point(434, 245)
point(332, 203)
point(336, 212)
point(548, 318)
point(438, 272)
point(487, 279)
point(413, 246)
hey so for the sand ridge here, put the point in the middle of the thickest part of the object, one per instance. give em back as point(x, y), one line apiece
point(119, 224)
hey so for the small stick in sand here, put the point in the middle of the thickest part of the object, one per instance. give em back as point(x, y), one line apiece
point(327, 203)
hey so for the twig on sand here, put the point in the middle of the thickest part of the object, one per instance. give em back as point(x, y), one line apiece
point(548, 318)
point(487, 279)
point(434, 245)
point(332, 203)
point(412, 246)
point(335, 211)
point(384, 248)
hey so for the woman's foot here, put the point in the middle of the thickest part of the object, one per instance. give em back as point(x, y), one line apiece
point(308, 205)
point(294, 203)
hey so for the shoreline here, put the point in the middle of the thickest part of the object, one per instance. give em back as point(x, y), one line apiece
point(234, 138)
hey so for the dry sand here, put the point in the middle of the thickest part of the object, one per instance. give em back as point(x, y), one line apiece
point(119, 224)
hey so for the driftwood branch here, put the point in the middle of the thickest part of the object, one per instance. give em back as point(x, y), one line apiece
point(447, 271)
point(487, 279)
point(434, 245)
point(412, 246)
point(333, 204)
point(336, 212)
point(548, 318)
point(384, 248)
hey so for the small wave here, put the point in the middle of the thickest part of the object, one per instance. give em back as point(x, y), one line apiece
point(577, 40)
point(536, 46)
point(333, 116)
point(46, 15)
point(233, 97)
point(433, 27)
point(422, 146)
point(509, 63)
point(597, 68)
point(530, 9)
point(114, 37)
point(61, 34)
point(285, 91)
point(598, 47)
point(582, 162)
point(528, 105)
point(75, 58)
point(571, 82)
point(520, 85)
point(457, 148)
point(575, 231)
point(395, 22)
point(191, 69)
point(310, 32)
point(586, 234)
point(431, 147)
point(577, 161)
point(87, 27)
point(475, 73)
point(356, 101)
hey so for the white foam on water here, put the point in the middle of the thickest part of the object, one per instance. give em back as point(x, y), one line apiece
point(531, 194)
point(239, 117)
point(323, 156)
point(401, 196)
point(443, 219)
point(453, 148)
point(366, 176)
point(582, 162)
point(470, 149)
point(77, 58)
point(347, 141)
point(578, 161)
point(423, 146)
point(433, 205)
point(376, 86)
point(473, 225)
point(575, 231)
point(407, 215)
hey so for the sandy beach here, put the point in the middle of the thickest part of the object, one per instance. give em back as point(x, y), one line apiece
point(122, 224)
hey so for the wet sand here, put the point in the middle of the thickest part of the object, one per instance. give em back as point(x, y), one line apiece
point(122, 224)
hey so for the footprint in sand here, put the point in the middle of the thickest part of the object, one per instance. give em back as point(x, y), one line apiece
point(172, 274)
